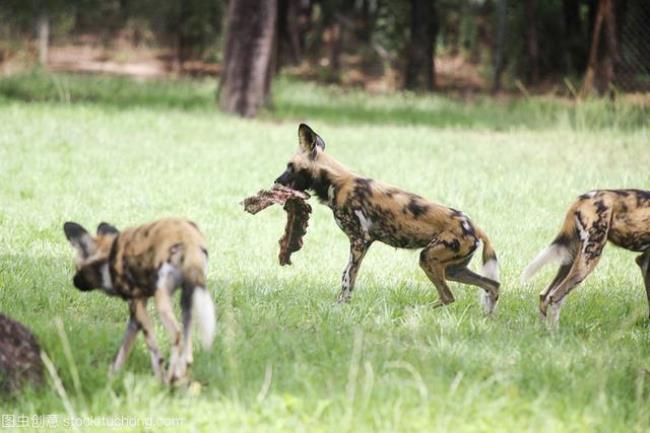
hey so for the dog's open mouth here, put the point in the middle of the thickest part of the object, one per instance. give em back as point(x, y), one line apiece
point(298, 210)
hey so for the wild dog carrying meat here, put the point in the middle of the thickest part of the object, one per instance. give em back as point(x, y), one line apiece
point(620, 216)
point(297, 209)
point(368, 210)
point(150, 261)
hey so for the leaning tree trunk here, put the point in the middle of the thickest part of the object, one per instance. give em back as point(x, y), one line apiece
point(420, 73)
point(248, 56)
point(611, 60)
point(603, 13)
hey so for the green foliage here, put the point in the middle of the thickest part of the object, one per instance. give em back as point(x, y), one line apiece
point(287, 357)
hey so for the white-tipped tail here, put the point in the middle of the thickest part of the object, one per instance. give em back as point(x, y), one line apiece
point(203, 312)
point(490, 270)
point(552, 253)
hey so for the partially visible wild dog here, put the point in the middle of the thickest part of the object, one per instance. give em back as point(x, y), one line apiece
point(620, 216)
point(151, 260)
point(367, 211)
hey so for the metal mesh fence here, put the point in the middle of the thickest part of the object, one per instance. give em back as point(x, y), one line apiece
point(633, 69)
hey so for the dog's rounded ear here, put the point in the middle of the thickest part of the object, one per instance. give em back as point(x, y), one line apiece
point(79, 238)
point(106, 229)
point(73, 230)
point(308, 140)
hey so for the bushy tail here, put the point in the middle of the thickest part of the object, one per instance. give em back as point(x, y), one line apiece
point(490, 267)
point(203, 312)
point(553, 253)
point(194, 270)
point(560, 250)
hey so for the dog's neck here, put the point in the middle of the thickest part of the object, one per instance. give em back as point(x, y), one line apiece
point(328, 177)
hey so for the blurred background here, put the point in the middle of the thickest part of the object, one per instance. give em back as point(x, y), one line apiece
point(567, 48)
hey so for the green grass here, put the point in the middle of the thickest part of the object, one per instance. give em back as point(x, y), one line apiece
point(287, 357)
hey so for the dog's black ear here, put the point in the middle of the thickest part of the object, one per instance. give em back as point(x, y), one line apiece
point(106, 229)
point(79, 238)
point(308, 140)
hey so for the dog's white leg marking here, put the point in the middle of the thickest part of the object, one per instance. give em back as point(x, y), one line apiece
point(554, 315)
point(488, 302)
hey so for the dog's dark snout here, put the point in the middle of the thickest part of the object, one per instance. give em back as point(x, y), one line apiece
point(283, 179)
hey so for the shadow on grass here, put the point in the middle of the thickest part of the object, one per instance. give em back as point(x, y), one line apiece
point(304, 100)
point(114, 92)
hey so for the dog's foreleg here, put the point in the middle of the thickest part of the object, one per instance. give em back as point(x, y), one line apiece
point(132, 329)
point(358, 249)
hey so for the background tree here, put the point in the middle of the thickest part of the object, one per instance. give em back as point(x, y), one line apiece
point(246, 71)
point(420, 72)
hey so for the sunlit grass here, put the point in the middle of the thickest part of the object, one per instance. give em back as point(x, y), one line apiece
point(287, 357)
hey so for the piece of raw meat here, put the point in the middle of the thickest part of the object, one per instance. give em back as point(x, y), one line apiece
point(297, 209)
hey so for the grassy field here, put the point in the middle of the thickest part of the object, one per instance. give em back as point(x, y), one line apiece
point(287, 358)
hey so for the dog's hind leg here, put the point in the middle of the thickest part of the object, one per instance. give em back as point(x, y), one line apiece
point(164, 287)
point(358, 250)
point(593, 237)
point(460, 273)
point(562, 272)
point(644, 263)
point(433, 261)
point(141, 315)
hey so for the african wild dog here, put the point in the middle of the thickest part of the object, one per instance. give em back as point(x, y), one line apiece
point(620, 216)
point(151, 260)
point(368, 210)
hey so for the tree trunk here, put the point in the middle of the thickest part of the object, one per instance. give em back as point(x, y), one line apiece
point(420, 73)
point(335, 49)
point(611, 59)
point(43, 31)
point(498, 47)
point(532, 44)
point(250, 38)
point(606, 69)
point(592, 63)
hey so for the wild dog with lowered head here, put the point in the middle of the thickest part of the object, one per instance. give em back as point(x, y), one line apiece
point(620, 216)
point(151, 260)
point(367, 211)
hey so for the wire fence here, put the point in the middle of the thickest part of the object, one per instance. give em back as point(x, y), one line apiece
point(633, 69)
